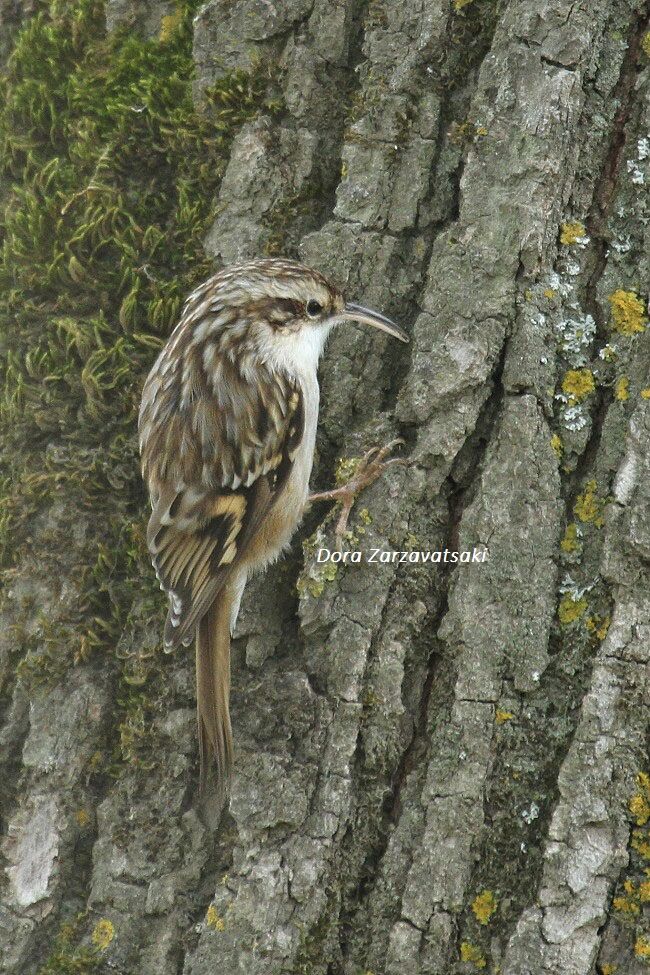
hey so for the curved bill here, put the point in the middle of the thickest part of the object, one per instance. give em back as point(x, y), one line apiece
point(357, 313)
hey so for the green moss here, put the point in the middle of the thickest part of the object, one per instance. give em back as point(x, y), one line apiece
point(109, 179)
point(68, 957)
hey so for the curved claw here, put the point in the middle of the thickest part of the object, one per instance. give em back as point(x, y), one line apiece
point(368, 470)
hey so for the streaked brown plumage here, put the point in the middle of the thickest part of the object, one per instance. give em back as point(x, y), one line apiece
point(227, 429)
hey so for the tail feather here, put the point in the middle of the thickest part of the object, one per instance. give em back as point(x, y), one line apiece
point(213, 690)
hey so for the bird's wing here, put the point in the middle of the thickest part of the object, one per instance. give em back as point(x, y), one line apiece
point(215, 461)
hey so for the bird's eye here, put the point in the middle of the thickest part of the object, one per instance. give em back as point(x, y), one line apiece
point(314, 308)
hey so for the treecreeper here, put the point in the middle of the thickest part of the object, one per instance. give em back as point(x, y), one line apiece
point(227, 431)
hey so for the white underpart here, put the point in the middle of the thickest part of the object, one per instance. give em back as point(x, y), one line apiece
point(298, 355)
point(297, 352)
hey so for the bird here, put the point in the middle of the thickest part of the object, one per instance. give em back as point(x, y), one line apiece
point(227, 430)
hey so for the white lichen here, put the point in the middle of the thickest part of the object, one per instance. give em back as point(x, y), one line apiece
point(530, 815)
point(574, 336)
point(575, 419)
point(635, 173)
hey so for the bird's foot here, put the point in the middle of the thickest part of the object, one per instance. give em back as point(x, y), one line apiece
point(371, 466)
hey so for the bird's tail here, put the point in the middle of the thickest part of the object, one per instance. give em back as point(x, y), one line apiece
point(213, 690)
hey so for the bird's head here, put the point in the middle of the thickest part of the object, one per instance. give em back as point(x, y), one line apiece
point(287, 310)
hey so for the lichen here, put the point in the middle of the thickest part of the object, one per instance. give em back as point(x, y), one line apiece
point(645, 393)
point(557, 445)
point(645, 43)
point(599, 626)
point(628, 312)
point(346, 468)
point(622, 389)
point(572, 233)
point(629, 902)
point(570, 542)
point(103, 934)
point(82, 818)
point(641, 843)
point(484, 906)
point(639, 804)
point(312, 581)
point(472, 954)
point(577, 384)
point(571, 609)
point(501, 716)
point(214, 920)
point(642, 947)
point(588, 506)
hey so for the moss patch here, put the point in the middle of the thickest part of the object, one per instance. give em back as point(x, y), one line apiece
point(109, 179)
point(68, 957)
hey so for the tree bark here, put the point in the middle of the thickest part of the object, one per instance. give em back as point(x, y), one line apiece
point(440, 767)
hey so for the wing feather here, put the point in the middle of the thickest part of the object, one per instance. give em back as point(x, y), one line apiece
point(215, 459)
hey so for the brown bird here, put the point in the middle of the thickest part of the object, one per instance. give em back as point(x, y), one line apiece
point(227, 430)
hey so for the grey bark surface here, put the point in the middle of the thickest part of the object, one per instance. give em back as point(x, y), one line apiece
point(410, 737)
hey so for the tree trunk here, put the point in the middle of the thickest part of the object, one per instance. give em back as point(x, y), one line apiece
point(441, 766)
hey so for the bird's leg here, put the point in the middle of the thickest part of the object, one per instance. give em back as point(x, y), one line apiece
point(370, 467)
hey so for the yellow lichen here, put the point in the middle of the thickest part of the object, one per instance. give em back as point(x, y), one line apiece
point(598, 626)
point(103, 934)
point(645, 43)
point(630, 903)
point(570, 542)
point(644, 892)
point(608, 969)
point(642, 947)
point(549, 293)
point(556, 444)
point(573, 232)
point(502, 716)
point(588, 507)
point(470, 953)
point(214, 920)
point(645, 393)
point(628, 312)
point(345, 469)
point(622, 389)
point(578, 384)
point(459, 4)
point(82, 817)
point(485, 904)
point(639, 804)
point(641, 843)
point(571, 609)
